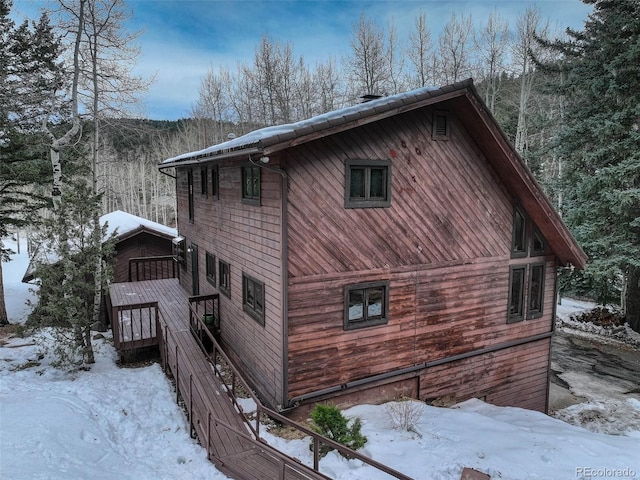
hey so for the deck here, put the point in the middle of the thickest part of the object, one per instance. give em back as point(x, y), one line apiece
point(159, 312)
point(156, 312)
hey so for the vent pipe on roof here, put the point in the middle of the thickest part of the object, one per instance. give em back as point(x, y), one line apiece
point(369, 96)
point(231, 136)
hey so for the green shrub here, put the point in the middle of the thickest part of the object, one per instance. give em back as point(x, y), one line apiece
point(330, 422)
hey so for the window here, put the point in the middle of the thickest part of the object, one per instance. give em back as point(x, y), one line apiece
point(251, 185)
point(516, 293)
point(204, 181)
point(224, 278)
point(536, 291)
point(210, 265)
point(190, 193)
point(214, 182)
point(440, 126)
point(519, 235)
point(538, 244)
point(366, 305)
point(526, 292)
point(253, 298)
point(368, 183)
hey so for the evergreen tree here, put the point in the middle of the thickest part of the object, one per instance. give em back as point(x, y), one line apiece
point(27, 67)
point(599, 140)
point(68, 253)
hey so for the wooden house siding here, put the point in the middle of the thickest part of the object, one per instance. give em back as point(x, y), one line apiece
point(142, 244)
point(248, 238)
point(443, 245)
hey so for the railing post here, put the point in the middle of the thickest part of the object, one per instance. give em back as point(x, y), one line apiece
point(192, 429)
point(177, 377)
point(316, 454)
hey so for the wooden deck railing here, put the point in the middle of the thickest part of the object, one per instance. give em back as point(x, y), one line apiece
point(232, 379)
point(135, 326)
point(204, 310)
point(153, 268)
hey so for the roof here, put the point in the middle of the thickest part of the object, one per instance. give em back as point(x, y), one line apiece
point(462, 98)
point(123, 224)
point(126, 225)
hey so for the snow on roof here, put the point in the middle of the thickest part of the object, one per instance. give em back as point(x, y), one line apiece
point(278, 133)
point(122, 223)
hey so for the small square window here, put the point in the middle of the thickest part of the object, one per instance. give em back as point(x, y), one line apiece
point(224, 278)
point(210, 261)
point(368, 183)
point(253, 298)
point(516, 293)
point(251, 185)
point(366, 305)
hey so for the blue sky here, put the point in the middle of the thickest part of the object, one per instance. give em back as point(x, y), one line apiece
point(183, 39)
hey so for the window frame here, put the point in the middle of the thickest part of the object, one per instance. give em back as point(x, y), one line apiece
point(190, 195)
point(252, 308)
point(349, 324)
point(210, 267)
point(224, 273)
point(523, 237)
point(535, 313)
point(204, 181)
point(215, 182)
point(255, 173)
point(367, 201)
point(520, 315)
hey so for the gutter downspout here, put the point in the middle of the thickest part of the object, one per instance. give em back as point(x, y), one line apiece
point(284, 253)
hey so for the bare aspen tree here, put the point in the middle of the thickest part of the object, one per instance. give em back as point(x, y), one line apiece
point(367, 66)
point(528, 25)
point(327, 79)
point(454, 49)
point(395, 62)
point(420, 53)
point(214, 102)
point(491, 45)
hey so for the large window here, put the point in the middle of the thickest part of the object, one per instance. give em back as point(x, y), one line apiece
point(253, 298)
point(526, 292)
point(366, 304)
point(368, 183)
point(224, 278)
point(251, 185)
point(210, 261)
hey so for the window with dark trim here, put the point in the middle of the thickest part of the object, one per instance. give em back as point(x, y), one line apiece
point(520, 234)
point(251, 185)
point(215, 182)
point(517, 277)
point(224, 278)
point(253, 298)
point(204, 181)
point(367, 183)
point(366, 305)
point(535, 292)
point(538, 243)
point(210, 266)
point(440, 126)
point(190, 193)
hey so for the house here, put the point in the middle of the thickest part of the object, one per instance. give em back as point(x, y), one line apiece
point(135, 237)
point(396, 247)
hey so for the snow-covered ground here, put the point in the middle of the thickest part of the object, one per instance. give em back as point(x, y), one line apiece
point(123, 423)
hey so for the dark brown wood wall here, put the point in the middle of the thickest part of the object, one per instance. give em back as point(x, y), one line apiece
point(248, 238)
point(443, 245)
point(143, 244)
